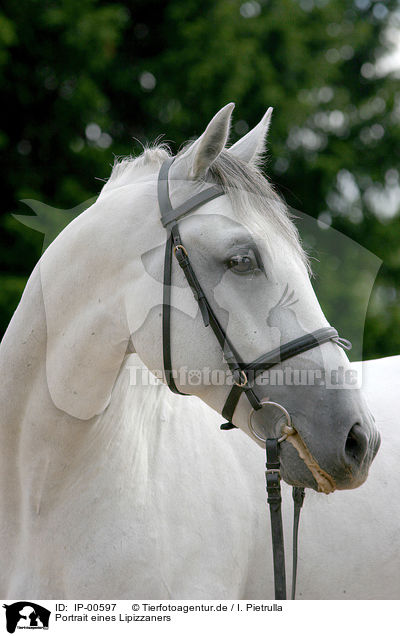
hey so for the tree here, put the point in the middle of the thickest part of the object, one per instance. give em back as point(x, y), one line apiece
point(84, 78)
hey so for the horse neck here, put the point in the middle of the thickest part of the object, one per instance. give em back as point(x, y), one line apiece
point(22, 350)
point(47, 449)
point(89, 277)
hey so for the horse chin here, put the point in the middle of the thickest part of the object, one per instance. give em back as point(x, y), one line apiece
point(296, 473)
point(357, 477)
point(301, 481)
point(353, 483)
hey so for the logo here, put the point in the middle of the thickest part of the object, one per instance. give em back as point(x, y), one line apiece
point(26, 615)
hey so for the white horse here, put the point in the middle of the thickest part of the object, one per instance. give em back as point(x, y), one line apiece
point(113, 489)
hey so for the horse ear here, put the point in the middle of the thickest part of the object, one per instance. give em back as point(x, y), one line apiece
point(202, 153)
point(252, 146)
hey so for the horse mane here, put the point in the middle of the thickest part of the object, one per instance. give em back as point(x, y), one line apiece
point(252, 195)
point(127, 170)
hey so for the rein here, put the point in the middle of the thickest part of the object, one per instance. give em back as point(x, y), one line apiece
point(243, 374)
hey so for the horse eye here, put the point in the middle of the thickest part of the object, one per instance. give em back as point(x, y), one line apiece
point(243, 264)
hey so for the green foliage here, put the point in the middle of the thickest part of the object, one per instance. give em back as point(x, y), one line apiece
point(82, 79)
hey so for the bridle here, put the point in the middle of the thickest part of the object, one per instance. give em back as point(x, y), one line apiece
point(243, 374)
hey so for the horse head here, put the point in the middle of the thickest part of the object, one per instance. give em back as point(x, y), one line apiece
point(243, 248)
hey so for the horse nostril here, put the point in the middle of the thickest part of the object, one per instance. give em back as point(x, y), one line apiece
point(356, 444)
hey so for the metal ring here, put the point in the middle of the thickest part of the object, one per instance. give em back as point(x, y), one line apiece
point(244, 379)
point(287, 425)
point(180, 247)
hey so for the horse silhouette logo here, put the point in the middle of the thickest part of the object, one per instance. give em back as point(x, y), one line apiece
point(283, 306)
point(26, 615)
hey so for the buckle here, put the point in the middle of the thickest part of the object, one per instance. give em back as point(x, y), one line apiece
point(243, 379)
point(270, 471)
point(180, 248)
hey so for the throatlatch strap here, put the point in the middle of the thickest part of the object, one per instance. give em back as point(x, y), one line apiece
point(166, 319)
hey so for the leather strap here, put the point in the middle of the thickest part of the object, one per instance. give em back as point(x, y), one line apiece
point(293, 348)
point(298, 495)
point(209, 318)
point(164, 201)
point(183, 260)
point(191, 204)
point(166, 318)
point(170, 214)
point(273, 479)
